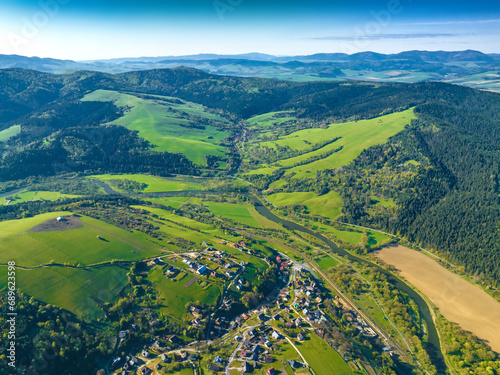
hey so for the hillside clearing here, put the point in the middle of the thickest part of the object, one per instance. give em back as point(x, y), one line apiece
point(353, 138)
point(167, 124)
point(8, 133)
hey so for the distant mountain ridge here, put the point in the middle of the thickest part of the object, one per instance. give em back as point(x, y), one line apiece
point(469, 67)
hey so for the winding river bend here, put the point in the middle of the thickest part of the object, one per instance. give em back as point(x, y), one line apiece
point(433, 347)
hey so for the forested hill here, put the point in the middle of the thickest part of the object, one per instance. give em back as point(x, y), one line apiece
point(22, 91)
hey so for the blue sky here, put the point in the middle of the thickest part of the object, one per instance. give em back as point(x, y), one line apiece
point(92, 29)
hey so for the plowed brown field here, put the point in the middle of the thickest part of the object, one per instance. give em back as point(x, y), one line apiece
point(458, 300)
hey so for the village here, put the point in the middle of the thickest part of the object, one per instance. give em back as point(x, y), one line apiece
point(262, 340)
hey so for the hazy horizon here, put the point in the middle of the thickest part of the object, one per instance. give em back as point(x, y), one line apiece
point(92, 30)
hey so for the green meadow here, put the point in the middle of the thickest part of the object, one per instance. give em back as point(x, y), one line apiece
point(265, 170)
point(8, 133)
point(383, 202)
point(154, 183)
point(322, 357)
point(174, 202)
point(354, 137)
point(352, 235)
point(326, 262)
point(77, 290)
point(237, 212)
point(269, 119)
point(73, 246)
point(28, 196)
point(327, 205)
point(166, 125)
point(185, 228)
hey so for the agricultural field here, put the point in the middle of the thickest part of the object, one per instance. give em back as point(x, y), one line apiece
point(457, 299)
point(327, 205)
point(400, 75)
point(28, 196)
point(165, 123)
point(354, 137)
point(6, 134)
point(76, 290)
point(484, 81)
point(154, 183)
point(91, 241)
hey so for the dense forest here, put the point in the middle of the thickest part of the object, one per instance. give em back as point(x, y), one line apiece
point(442, 172)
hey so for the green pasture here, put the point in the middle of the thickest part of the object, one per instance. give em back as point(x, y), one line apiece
point(174, 202)
point(165, 124)
point(237, 212)
point(321, 357)
point(353, 235)
point(8, 133)
point(183, 227)
point(74, 246)
point(77, 290)
point(155, 183)
point(268, 119)
point(263, 170)
point(28, 196)
point(326, 262)
point(327, 205)
point(355, 136)
point(383, 202)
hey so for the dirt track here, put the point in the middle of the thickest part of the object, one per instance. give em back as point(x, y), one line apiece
point(458, 300)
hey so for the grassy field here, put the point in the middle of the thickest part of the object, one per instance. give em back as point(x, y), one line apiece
point(175, 294)
point(321, 357)
point(354, 138)
point(174, 202)
point(237, 212)
point(28, 196)
point(165, 124)
point(383, 202)
point(265, 170)
point(328, 205)
point(154, 183)
point(458, 300)
point(326, 262)
point(269, 119)
point(6, 134)
point(79, 245)
point(188, 229)
point(73, 289)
